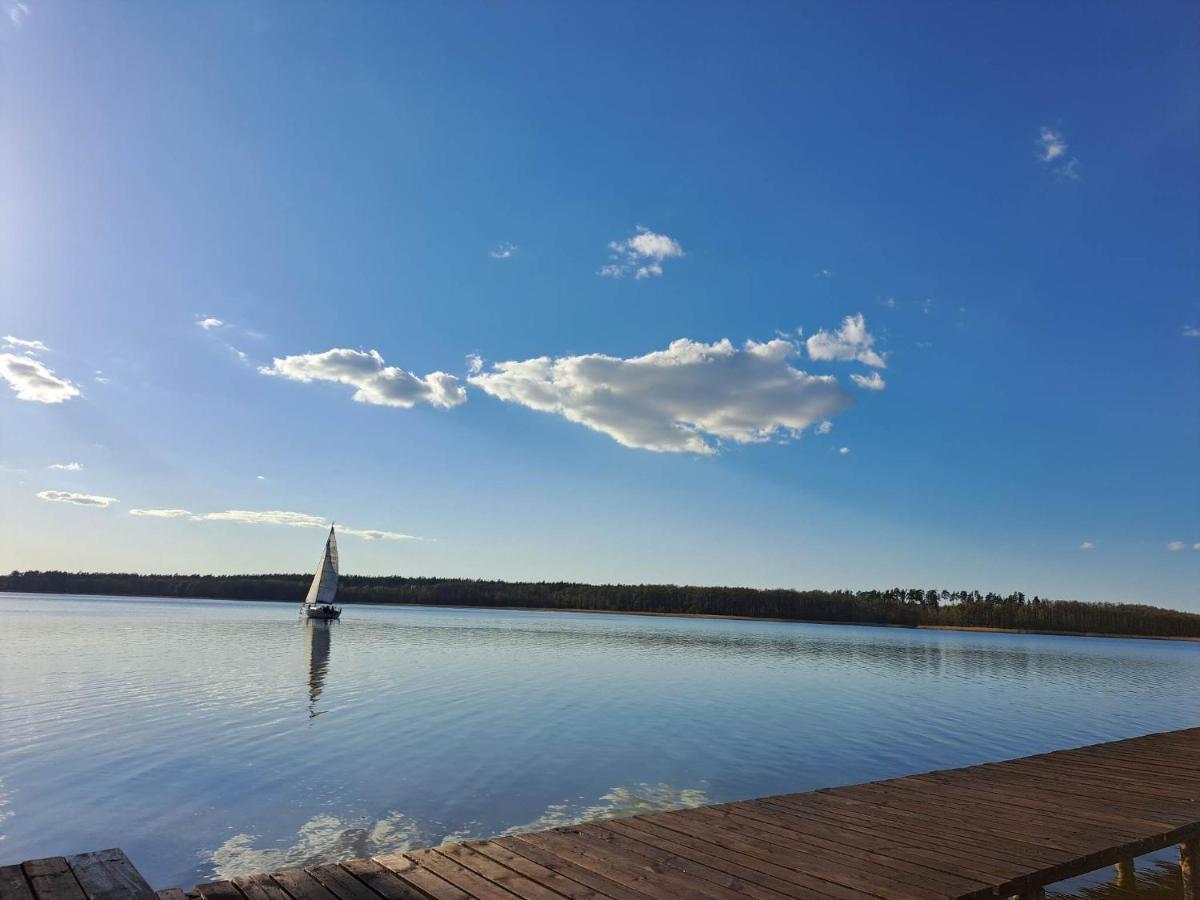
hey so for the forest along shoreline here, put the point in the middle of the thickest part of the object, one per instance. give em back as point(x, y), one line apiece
point(960, 610)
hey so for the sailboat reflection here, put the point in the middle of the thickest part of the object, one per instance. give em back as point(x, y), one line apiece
point(317, 638)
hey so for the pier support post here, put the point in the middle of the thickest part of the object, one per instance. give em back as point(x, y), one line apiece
point(1189, 868)
point(1126, 874)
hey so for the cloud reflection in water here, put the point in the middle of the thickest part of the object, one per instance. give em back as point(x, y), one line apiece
point(325, 839)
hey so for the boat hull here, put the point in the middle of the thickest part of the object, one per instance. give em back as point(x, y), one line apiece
point(315, 611)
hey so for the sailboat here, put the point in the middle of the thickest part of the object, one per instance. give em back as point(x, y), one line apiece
point(319, 602)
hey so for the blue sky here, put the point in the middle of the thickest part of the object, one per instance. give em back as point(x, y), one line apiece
point(964, 235)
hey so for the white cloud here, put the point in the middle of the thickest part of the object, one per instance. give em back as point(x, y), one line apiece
point(641, 255)
point(34, 381)
point(216, 328)
point(503, 250)
point(850, 342)
point(77, 499)
point(869, 383)
point(274, 517)
point(1175, 546)
point(101, 378)
point(260, 477)
point(628, 800)
point(890, 302)
point(266, 517)
point(66, 467)
point(1087, 545)
point(23, 345)
point(676, 400)
point(375, 382)
point(1192, 332)
point(1052, 150)
point(824, 273)
point(18, 12)
point(372, 534)
point(1053, 144)
point(474, 363)
point(825, 427)
point(320, 839)
point(1070, 170)
point(843, 450)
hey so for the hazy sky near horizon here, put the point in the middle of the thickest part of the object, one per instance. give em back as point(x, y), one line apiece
point(800, 295)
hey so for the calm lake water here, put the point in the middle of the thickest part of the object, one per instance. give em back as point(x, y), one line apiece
point(212, 738)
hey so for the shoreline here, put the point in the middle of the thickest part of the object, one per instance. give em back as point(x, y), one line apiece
point(985, 629)
point(682, 615)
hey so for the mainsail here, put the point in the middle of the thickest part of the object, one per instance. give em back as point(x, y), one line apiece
point(325, 582)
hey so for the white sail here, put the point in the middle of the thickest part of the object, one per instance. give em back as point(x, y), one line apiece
point(325, 581)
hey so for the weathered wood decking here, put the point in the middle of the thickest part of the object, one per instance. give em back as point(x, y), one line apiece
point(994, 830)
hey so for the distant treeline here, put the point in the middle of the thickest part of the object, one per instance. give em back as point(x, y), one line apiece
point(894, 606)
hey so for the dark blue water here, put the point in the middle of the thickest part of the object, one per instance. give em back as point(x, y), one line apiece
point(218, 738)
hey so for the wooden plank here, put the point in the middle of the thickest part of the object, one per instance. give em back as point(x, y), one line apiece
point(535, 871)
point(1136, 820)
point(52, 879)
point(1016, 823)
point(636, 846)
point(1065, 778)
point(635, 872)
point(260, 887)
point(1166, 746)
point(1055, 829)
point(933, 829)
point(925, 834)
point(497, 873)
point(921, 799)
point(1160, 752)
point(964, 859)
point(219, 890)
point(423, 880)
point(340, 883)
point(300, 885)
point(844, 872)
point(382, 881)
point(900, 864)
point(1114, 782)
point(459, 876)
point(109, 875)
point(733, 851)
point(565, 867)
point(1111, 768)
point(776, 887)
point(1189, 869)
point(983, 792)
point(1101, 829)
point(1021, 825)
point(13, 885)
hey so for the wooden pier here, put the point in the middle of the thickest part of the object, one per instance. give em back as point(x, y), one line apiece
point(997, 830)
